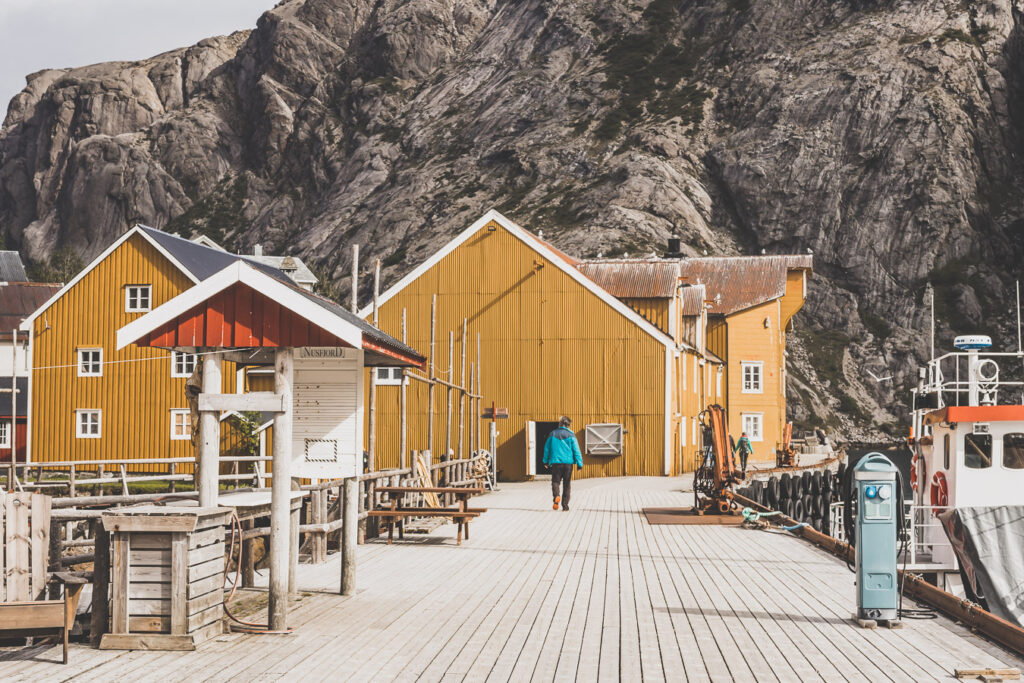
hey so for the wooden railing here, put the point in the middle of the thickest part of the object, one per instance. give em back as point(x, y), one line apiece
point(114, 472)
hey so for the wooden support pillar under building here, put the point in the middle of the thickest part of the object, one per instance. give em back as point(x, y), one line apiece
point(209, 435)
point(280, 495)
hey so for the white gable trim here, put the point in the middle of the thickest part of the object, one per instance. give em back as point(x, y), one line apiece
point(26, 324)
point(527, 238)
point(240, 272)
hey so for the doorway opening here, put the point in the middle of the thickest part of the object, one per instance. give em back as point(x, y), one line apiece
point(541, 432)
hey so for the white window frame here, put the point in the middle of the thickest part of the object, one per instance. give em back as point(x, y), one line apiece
point(136, 306)
point(187, 424)
point(393, 376)
point(749, 432)
point(696, 376)
point(82, 363)
point(177, 356)
point(5, 434)
point(757, 387)
point(79, 433)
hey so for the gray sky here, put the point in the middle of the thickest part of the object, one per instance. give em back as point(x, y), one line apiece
point(41, 34)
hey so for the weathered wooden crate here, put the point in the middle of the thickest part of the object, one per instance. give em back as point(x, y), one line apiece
point(167, 577)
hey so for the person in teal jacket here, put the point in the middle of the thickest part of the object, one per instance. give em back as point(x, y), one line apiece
point(744, 449)
point(561, 452)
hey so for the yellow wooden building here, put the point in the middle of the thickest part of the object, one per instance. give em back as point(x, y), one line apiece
point(552, 342)
point(89, 401)
point(751, 304)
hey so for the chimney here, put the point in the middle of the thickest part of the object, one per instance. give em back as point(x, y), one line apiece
point(675, 248)
point(257, 250)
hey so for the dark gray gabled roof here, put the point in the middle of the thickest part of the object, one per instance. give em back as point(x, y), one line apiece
point(11, 267)
point(200, 260)
point(203, 261)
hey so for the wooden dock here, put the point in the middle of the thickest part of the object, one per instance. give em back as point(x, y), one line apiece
point(591, 594)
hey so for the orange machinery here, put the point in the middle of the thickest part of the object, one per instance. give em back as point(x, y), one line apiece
point(717, 472)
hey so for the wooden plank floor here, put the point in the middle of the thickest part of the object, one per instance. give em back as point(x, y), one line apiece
point(591, 594)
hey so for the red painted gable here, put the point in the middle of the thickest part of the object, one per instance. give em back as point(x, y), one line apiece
point(239, 317)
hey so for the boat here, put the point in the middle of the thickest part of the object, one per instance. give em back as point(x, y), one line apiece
point(966, 514)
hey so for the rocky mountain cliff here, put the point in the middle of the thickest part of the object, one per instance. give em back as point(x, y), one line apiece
point(884, 136)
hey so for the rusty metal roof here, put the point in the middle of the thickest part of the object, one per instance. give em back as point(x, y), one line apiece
point(735, 283)
point(18, 300)
point(692, 299)
point(633, 278)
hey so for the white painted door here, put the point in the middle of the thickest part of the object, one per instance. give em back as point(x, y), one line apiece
point(531, 448)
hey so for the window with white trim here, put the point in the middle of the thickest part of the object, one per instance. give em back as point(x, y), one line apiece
point(389, 376)
point(753, 425)
point(181, 425)
point(752, 372)
point(182, 364)
point(138, 298)
point(90, 362)
point(696, 376)
point(5, 434)
point(87, 424)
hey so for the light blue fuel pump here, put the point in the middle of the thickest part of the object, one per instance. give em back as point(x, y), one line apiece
point(879, 495)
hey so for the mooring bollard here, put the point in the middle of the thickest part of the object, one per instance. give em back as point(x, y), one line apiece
point(349, 535)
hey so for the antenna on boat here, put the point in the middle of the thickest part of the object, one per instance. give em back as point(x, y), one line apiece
point(1018, 318)
point(931, 297)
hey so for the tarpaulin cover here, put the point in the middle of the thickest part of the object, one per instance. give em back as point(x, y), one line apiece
point(989, 542)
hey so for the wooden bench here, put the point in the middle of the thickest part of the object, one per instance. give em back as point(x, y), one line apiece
point(396, 514)
point(44, 617)
point(24, 576)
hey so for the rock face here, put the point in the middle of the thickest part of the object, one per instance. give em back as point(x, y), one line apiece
point(884, 136)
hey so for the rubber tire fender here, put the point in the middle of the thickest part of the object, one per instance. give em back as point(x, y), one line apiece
point(785, 487)
point(816, 483)
point(799, 512)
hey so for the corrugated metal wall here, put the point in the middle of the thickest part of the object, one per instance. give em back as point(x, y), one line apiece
point(549, 347)
point(655, 311)
point(135, 394)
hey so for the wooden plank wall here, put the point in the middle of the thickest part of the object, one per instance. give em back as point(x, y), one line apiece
point(137, 395)
point(24, 546)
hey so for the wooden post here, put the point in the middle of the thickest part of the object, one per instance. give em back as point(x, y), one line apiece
point(280, 496)
point(402, 439)
point(247, 558)
point(55, 549)
point(472, 433)
point(448, 411)
point(293, 541)
point(14, 404)
point(355, 278)
point(209, 435)
point(372, 441)
point(430, 376)
point(100, 582)
point(462, 394)
point(479, 393)
point(71, 481)
point(349, 536)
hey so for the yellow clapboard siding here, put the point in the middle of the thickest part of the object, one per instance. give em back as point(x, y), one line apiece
point(136, 393)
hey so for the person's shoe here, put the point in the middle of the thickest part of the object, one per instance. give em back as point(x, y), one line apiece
point(554, 505)
point(565, 508)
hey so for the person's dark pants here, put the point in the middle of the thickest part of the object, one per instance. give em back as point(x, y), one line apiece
point(743, 459)
point(561, 480)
